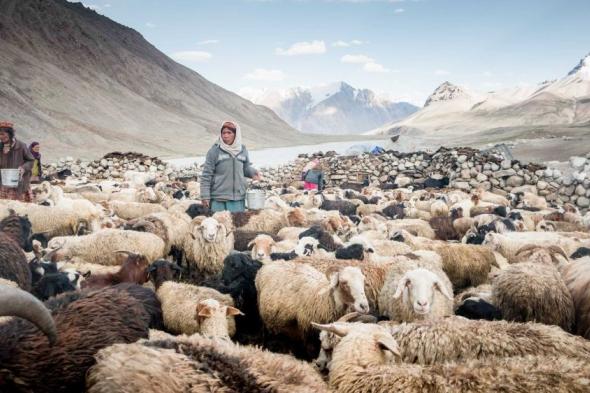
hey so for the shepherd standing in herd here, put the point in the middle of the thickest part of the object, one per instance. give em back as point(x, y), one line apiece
point(16, 156)
point(223, 182)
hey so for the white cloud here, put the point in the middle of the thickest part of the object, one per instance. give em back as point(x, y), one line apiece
point(107, 5)
point(441, 72)
point(375, 67)
point(487, 74)
point(357, 59)
point(150, 25)
point(398, 10)
point(208, 42)
point(262, 74)
point(341, 44)
point(303, 48)
point(191, 56)
point(344, 44)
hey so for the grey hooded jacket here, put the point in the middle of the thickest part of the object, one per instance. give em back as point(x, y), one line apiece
point(224, 176)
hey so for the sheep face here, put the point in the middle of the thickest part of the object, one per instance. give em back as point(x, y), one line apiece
point(306, 246)
point(262, 247)
point(211, 229)
point(212, 317)
point(417, 287)
point(348, 286)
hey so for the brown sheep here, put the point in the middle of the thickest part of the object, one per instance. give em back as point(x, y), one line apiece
point(133, 270)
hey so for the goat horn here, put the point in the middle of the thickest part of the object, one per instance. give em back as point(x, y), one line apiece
point(123, 252)
point(18, 303)
point(51, 253)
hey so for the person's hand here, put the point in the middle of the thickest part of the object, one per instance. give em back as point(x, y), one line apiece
point(257, 177)
point(21, 171)
point(205, 203)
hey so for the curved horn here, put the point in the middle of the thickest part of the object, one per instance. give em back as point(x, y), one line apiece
point(129, 253)
point(18, 303)
point(49, 256)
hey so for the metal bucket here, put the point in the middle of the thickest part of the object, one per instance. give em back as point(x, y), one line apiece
point(10, 177)
point(255, 199)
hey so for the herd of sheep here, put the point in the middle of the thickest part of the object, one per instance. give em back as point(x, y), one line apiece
point(134, 286)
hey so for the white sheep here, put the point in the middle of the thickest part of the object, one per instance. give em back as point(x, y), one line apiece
point(208, 244)
point(416, 295)
point(293, 295)
point(189, 309)
point(100, 247)
point(509, 243)
point(132, 210)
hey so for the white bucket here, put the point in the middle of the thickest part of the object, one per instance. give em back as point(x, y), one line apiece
point(255, 199)
point(10, 177)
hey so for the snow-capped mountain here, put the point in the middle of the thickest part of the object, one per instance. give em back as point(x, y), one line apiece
point(565, 101)
point(334, 108)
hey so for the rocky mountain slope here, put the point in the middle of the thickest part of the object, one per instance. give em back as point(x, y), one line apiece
point(334, 108)
point(451, 109)
point(78, 81)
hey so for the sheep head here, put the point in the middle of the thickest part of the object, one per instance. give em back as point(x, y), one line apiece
point(306, 246)
point(212, 317)
point(377, 343)
point(262, 247)
point(417, 287)
point(212, 230)
point(348, 288)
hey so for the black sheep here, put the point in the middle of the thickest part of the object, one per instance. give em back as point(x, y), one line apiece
point(238, 281)
point(15, 235)
point(394, 211)
point(197, 209)
point(478, 309)
point(580, 253)
point(83, 325)
point(53, 284)
point(286, 256)
point(345, 208)
point(436, 183)
point(325, 238)
point(353, 251)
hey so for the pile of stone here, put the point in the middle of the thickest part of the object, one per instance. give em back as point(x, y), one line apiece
point(114, 165)
point(467, 169)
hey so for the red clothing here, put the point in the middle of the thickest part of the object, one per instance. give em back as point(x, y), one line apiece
point(310, 186)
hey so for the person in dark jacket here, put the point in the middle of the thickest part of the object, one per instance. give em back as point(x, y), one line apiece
point(37, 171)
point(313, 176)
point(15, 154)
point(227, 165)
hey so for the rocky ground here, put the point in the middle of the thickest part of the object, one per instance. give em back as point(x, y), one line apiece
point(466, 167)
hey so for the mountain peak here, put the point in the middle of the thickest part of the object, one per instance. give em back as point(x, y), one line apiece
point(583, 68)
point(445, 92)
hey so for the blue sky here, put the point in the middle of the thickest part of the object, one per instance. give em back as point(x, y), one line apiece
point(404, 49)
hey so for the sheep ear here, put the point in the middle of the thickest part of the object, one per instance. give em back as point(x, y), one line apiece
point(333, 277)
point(403, 283)
point(204, 311)
point(339, 329)
point(388, 343)
point(232, 311)
point(438, 285)
point(87, 274)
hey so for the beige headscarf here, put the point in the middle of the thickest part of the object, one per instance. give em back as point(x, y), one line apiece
point(235, 148)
